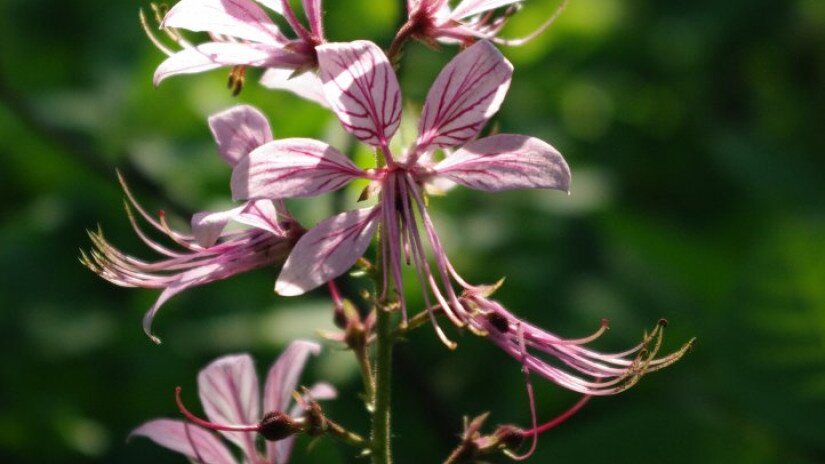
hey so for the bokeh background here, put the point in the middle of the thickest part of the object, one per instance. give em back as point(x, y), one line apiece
point(695, 134)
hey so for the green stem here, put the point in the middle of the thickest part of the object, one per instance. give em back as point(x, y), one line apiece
point(381, 453)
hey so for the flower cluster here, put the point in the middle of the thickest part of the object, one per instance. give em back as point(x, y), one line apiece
point(357, 81)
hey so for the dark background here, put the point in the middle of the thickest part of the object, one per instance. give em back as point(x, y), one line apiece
point(694, 131)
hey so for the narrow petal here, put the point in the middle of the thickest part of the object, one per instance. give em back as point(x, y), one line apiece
point(238, 131)
point(306, 85)
point(313, 11)
point(190, 440)
point(361, 87)
point(242, 19)
point(283, 376)
point(213, 55)
point(467, 92)
point(505, 162)
point(291, 168)
point(229, 392)
point(327, 251)
point(474, 7)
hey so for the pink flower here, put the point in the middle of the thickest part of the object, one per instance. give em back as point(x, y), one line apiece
point(434, 21)
point(209, 253)
point(229, 392)
point(567, 362)
point(242, 35)
point(361, 88)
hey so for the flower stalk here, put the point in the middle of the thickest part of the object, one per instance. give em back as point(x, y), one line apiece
point(381, 420)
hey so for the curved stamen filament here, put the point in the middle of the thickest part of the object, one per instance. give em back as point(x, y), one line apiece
point(211, 425)
point(560, 419)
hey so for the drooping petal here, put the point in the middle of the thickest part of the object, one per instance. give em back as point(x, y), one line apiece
point(504, 162)
point(190, 440)
point(306, 85)
point(238, 131)
point(229, 392)
point(242, 19)
point(283, 376)
point(292, 168)
point(467, 92)
point(213, 55)
point(327, 251)
point(361, 87)
point(473, 7)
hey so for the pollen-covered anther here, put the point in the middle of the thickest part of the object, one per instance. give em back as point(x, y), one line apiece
point(236, 80)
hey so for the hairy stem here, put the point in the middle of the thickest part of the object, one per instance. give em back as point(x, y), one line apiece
point(381, 452)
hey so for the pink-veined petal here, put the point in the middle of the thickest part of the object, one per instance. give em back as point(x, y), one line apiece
point(229, 392)
point(361, 87)
point(327, 251)
point(242, 19)
point(467, 92)
point(306, 85)
point(238, 131)
point(190, 440)
point(313, 11)
point(207, 226)
point(290, 168)
point(213, 55)
point(260, 214)
point(473, 7)
point(504, 162)
point(283, 376)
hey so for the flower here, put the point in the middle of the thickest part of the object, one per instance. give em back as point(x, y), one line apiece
point(229, 392)
point(432, 21)
point(576, 367)
point(242, 35)
point(209, 253)
point(362, 89)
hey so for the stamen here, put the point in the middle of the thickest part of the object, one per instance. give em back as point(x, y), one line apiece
point(538, 31)
point(144, 24)
point(560, 419)
point(531, 398)
point(211, 425)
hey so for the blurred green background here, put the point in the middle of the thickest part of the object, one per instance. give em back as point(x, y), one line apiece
point(695, 134)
